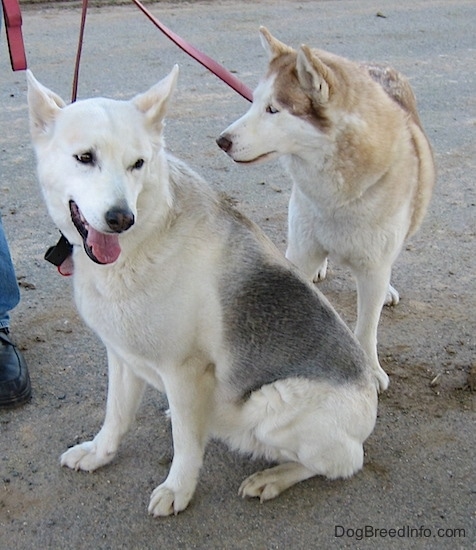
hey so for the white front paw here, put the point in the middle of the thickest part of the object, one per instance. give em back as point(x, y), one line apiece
point(321, 272)
point(392, 298)
point(85, 456)
point(165, 501)
point(382, 379)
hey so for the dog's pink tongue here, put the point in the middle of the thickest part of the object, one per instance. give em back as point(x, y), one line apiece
point(105, 247)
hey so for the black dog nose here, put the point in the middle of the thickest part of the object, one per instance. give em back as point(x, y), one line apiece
point(224, 143)
point(119, 219)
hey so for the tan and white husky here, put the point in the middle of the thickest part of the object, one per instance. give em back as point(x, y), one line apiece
point(361, 166)
point(190, 297)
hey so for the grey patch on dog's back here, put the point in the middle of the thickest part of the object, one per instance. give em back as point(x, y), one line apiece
point(278, 327)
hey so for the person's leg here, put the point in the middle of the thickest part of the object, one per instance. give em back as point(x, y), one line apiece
point(15, 385)
point(9, 292)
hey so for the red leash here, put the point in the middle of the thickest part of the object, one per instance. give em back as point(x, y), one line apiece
point(13, 21)
point(74, 92)
point(209, 63)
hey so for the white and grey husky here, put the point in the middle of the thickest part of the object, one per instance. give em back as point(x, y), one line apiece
point(190, 297)
point(362, 168)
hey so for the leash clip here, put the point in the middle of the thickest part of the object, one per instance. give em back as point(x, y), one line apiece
point(58, 253)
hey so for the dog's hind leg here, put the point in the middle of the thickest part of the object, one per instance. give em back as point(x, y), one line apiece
point(125, 391)
point(269, 483)
point(372, 288)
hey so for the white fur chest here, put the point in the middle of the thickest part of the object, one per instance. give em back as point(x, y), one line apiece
point(321, 210)
point(150, 310)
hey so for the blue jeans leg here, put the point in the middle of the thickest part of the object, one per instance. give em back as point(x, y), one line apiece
point(9, 291)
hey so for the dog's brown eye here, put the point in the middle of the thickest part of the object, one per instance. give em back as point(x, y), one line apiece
point(271, 110)
point(85, 158)
point(138, 164)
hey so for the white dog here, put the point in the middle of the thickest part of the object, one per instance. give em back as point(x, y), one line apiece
point(190, 297)
point(362, 167)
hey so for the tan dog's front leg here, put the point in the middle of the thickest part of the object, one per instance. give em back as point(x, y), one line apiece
point(372, 287)
point(303, 249)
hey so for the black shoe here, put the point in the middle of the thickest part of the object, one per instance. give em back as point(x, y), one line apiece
point(15, 387)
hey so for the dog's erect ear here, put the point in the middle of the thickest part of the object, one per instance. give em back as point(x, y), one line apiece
point(315, 78)
point(273, 47)
point(44, 105)
point(153, 103)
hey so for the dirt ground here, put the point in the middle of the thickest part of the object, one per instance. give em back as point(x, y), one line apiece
point(419, 472)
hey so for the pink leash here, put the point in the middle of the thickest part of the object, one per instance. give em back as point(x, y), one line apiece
point(13, 22)
point(209, 63)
